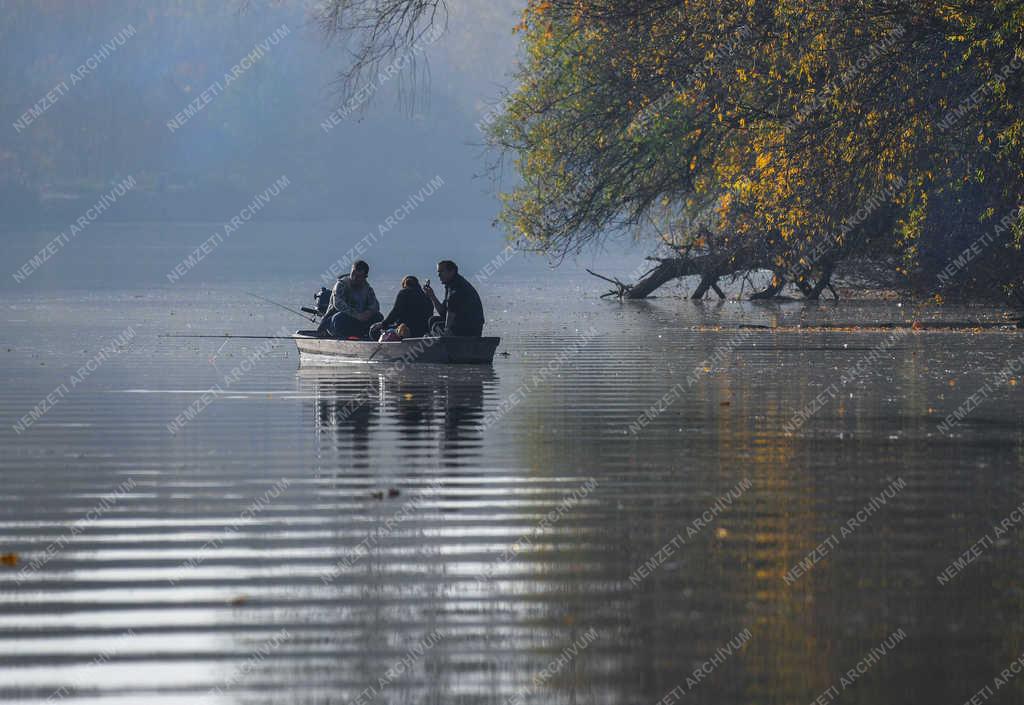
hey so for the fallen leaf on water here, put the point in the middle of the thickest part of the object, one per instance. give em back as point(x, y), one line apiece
point(240, 600)
point(9, 559)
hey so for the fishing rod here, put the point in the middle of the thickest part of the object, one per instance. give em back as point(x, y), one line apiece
point(303, 313)
point(230, 336)
point(311, 317)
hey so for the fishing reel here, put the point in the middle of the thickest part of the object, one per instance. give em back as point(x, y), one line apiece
point(322, 299)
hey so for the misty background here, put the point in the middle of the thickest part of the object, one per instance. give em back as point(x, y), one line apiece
point(422, 123)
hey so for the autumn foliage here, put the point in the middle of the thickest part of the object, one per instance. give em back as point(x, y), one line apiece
point(868, 138)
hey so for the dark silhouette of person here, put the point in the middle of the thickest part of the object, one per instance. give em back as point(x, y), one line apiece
point(461, 313)
point(412, 307)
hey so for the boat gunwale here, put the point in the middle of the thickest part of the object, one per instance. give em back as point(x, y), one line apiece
point(366, 350)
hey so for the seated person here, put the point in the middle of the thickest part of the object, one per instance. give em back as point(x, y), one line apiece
point(412, 307)
point(461, 313)
point(354, 306)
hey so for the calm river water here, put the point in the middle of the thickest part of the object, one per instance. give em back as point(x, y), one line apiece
point(638, 503)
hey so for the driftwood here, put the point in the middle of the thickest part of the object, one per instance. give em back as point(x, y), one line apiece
point(665, 271)
point(710, 269)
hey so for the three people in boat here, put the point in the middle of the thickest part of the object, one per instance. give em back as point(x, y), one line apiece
point(354, 311)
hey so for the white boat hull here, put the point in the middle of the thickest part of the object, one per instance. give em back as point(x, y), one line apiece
point(444, 350)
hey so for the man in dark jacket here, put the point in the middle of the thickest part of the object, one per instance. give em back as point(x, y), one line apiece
point(461, 312)
point(354, 306)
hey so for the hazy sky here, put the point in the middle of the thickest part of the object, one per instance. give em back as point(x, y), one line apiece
point(202, 109)
point(198, 98)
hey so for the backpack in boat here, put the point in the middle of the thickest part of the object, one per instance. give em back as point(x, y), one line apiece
point(323, 300)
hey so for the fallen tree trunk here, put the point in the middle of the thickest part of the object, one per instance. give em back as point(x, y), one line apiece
point(710, 268)
point(666, 271)
point(708, 281)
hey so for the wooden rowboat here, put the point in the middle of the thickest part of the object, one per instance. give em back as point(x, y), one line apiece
point(446, 350)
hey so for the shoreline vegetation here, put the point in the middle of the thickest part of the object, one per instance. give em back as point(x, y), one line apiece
point(875, 143)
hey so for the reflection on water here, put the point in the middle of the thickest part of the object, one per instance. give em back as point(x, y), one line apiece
point(382, 417)
point(325, 535)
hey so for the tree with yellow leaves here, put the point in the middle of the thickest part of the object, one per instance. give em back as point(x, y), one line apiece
point(862, 137)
